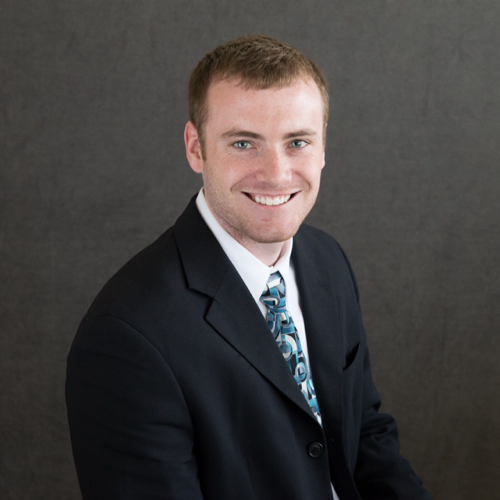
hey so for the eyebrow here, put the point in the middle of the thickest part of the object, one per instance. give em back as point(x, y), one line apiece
point(307, 132)
point(232, 134)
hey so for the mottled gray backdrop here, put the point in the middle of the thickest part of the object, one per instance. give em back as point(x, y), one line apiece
point(92, 168)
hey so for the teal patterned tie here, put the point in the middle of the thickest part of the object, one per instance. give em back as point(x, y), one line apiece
point(283, 328)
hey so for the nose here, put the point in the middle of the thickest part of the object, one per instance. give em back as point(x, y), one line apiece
point(275, 169)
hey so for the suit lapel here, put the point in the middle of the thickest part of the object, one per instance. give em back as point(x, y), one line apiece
point(238, 319)
point(324, 339)
point(233, 312)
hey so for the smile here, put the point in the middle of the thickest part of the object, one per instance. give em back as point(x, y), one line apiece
point(270, 201)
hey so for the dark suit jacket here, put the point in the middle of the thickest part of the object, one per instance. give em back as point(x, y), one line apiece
point(176, 388)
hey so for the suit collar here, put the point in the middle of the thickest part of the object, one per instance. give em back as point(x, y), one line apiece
point(205, 264)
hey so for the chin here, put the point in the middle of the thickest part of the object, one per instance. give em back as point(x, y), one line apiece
point(272, 236)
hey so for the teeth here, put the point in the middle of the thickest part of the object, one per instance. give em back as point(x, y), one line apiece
point(279, 200)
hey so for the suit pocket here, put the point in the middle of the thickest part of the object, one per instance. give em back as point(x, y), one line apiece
point(351, 360)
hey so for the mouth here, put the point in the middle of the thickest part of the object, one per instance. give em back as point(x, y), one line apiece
point(270, 200)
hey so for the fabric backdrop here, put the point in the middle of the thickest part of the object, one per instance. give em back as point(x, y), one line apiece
point(92, 168)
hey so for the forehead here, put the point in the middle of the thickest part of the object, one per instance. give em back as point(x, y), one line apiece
point(231, 101)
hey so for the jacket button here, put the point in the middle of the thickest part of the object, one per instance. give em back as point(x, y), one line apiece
point(315, 450)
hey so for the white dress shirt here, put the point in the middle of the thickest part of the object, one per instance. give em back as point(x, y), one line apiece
point(255, 274)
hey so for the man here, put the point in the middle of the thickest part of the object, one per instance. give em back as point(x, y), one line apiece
point(228, 359)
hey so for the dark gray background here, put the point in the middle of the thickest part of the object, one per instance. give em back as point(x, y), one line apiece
point(92, 110)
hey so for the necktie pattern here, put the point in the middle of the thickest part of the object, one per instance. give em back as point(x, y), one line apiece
point(283, 328)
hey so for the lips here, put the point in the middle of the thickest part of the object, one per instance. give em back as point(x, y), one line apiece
point(270, 200)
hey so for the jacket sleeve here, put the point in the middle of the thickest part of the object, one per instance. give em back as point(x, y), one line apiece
point(380, 473)
point(130, 427)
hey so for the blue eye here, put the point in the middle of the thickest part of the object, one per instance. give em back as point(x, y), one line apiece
point(242, 144)
point(298, 143)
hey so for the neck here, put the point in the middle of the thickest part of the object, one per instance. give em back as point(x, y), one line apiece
point(267, 253)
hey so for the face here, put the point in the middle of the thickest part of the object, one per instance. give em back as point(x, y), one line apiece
point(264, 153)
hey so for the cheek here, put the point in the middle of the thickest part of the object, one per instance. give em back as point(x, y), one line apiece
point(222, 175)
point(238, 168)
point(310, 169)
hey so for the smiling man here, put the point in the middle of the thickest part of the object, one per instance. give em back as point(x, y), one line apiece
point(228, 360)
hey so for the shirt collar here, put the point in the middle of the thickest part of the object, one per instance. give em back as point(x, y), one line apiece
point(253, 272)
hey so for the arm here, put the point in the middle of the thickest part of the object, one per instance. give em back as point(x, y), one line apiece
point(131, 431)
point(380, 472)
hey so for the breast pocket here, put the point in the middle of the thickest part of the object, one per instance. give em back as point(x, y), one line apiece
point(351, 360)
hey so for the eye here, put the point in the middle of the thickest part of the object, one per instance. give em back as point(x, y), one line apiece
point(298, 143)
point(242, 145)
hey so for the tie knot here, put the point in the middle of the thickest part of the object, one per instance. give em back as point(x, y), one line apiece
point(274, 295)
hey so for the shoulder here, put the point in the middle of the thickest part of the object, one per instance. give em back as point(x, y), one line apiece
point(317, 238)
point(327, 254)
point(322, 245)
point(153, 272)
point(144, 274)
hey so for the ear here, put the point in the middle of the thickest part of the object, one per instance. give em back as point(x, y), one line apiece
point(193, 148)
point(324, 147)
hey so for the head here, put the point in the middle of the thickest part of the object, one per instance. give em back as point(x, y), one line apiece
point(258, 112)
point(257, 62)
